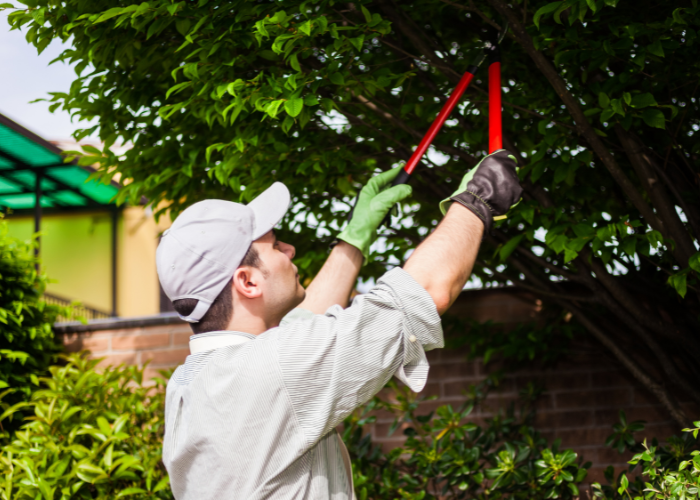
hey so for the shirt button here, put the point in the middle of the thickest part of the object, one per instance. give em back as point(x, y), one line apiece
point(412, 338)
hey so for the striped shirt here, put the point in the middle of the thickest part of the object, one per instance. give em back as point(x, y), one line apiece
point(254, 417)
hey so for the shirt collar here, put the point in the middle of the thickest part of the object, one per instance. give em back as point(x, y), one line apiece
point(213, 340)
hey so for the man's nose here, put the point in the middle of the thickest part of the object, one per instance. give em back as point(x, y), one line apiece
point(289, 250)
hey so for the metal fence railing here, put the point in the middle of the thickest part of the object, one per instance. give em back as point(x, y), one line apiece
point(79, 310)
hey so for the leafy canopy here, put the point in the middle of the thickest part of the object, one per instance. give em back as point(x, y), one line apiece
point(219, 99)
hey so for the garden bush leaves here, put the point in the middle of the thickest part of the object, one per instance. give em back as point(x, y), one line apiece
point(91, 434)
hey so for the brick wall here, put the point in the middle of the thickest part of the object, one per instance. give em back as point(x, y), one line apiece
point(583, 393)
point(132, 341)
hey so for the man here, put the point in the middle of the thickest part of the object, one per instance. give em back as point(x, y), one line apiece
point(274, 369)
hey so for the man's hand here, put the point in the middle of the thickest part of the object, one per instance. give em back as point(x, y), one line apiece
point(443, 262)
point(372, 206)
point(490, 189)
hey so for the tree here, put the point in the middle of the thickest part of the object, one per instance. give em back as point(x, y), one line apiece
point(219, 98)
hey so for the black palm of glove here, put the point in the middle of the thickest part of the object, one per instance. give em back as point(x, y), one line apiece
point(490, 189)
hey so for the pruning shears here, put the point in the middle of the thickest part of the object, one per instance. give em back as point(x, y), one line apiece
point(491, 52)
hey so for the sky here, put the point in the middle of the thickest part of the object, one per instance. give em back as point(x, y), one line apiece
point(25, 76)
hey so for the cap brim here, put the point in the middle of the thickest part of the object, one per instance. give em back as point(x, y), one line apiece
point(269, 208)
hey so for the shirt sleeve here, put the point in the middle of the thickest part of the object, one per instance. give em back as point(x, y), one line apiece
point(332, 363)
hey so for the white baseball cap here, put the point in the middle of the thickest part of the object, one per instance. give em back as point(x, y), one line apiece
point(198, 255)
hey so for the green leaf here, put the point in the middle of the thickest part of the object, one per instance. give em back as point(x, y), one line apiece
point(273, 107)
point(235, 86)
point(130, 491)
point(643, 100)
point(357, 42)
point(327, 104)
point(162, 484)
point(655, 238)
point(509, 247)
point(306, 28)
point(337, 78)
point(90, 468)
point(91, 149)
point(674, 109)
point(183, 26)
point(368, 16)
point(177, 88)
point(550, 7)
point(261, 29)
point(114, 11)
point(678, 281)
point(294, 106)
point(294, 63)
point(616, 105)
point(694, 262)
point(677, 18)
point(656, 49)
point(654, 118)
point(624, 483)
point(603, 100)
point(629, 246)
point(104, 426)
point(311, 100)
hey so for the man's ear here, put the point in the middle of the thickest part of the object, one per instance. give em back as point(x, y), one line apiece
point(246, 281)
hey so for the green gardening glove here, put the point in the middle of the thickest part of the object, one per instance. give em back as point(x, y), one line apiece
point(372, 206)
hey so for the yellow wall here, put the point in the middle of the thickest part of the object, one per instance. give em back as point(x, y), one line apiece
point(76, 255)
point(138, 292)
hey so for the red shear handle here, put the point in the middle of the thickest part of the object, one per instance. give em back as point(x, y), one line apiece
point(439, 121)
point(495, 126)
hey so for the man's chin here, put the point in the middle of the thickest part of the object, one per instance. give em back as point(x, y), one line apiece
point(301, 296)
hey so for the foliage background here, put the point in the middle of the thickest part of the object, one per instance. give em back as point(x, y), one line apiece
point(90, 434)
point(219, 98)
point(27, 342)
point(445, 456)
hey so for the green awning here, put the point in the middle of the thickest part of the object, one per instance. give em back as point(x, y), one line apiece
point(26, 157)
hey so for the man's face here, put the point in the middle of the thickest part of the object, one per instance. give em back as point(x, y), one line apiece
point(282, 291)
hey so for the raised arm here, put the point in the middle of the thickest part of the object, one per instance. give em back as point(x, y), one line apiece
point(336, 279)
point(443, 262)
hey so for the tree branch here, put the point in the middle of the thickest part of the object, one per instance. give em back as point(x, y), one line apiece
point(450, 150)
point(538, 291)
point(693, 217)
point(659, 198)
point(582, 125)
point(626, 308)
point(414, 35)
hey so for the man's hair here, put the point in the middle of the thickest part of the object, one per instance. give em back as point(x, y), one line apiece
point(219, 314)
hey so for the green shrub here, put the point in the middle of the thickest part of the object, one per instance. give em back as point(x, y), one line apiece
point(444, 456)
point(27, 343)
point(668, 472)
point(91, 435)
